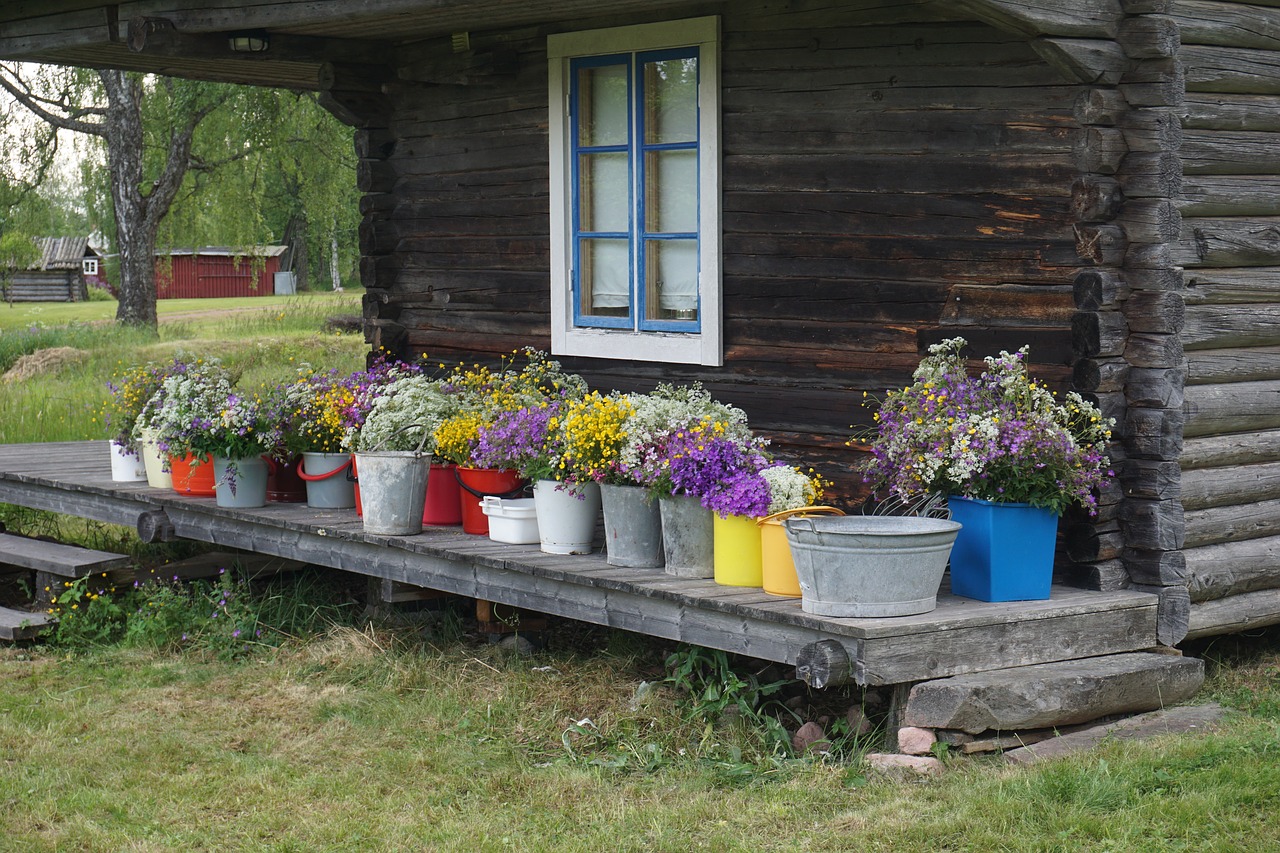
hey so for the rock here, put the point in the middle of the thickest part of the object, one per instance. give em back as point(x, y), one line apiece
point(903, 765)
point(810, 738)
point(1053, 694)
point(859, 725)
point(951, 737)
point(916, 741)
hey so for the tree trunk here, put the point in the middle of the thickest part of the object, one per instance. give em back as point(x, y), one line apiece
point(135, 236)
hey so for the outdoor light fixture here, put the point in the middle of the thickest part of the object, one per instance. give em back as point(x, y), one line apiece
point(249, 41)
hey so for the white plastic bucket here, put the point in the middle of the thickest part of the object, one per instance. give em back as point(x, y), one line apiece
point(126, 466)
point(511, 520)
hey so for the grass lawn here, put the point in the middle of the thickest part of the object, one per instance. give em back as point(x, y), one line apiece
point(286, 722)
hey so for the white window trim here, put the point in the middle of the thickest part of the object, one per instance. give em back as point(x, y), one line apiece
point(707, 346)
point(89, 266)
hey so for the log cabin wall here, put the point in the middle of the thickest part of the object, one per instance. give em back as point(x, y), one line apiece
point(1230, 249)
point(890, 179)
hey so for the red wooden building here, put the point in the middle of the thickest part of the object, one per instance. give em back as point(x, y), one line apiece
point(217, 271)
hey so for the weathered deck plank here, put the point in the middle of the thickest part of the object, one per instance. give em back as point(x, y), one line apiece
point(960, 636)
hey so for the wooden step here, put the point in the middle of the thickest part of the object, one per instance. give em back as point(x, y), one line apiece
point(68, 561)
point(22, 625)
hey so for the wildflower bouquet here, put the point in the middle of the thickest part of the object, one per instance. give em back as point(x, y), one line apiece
point(243, 429)
point(792, 488)
point(527, 440)
point(723, 472)
point(365, 387)
point(404, 415)
point(999, 436)
point(189, 402)
point(130, 392)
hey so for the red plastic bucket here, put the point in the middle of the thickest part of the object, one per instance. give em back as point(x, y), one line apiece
point(444, 496)
point(477, 483)
point(283, 483)
point(192, 476)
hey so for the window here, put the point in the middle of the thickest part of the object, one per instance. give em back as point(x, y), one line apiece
point(635, 192)
point(89, 266)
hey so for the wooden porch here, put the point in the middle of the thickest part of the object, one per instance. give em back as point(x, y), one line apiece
point(960, 636)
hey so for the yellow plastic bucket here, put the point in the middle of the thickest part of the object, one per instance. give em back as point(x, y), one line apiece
point(778, 570)
point(736, 557)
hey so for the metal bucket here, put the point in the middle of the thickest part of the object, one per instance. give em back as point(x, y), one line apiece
point(869, 565)
point(393, 489)
point(687, 538)
point(632, 527)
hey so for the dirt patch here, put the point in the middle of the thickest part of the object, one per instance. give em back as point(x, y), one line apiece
point(44, 361)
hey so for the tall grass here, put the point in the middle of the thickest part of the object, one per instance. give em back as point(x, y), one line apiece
point(265, 339)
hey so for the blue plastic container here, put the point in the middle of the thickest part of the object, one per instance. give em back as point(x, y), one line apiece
point(1004, 551)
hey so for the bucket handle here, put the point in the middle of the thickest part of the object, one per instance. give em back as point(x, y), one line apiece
point(315, 478)
point(804, 510)
point(514, 493)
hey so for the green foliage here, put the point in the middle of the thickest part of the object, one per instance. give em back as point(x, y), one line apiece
point(714, 691)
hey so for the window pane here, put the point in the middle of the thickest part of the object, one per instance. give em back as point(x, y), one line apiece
point(602, 105)
point(671, 279)
point(671, 191)
point(603, 193)
point(605, 277)
point(671, 100)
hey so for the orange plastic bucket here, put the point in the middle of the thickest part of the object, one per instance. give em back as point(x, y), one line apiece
point(777, 569)
point(192, 476)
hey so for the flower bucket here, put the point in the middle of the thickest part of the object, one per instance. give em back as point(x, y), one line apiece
point(326, 477)
point(737, 550)
point(687, 539)
point(248, 487)
point(870, 565)
point(126, 465)
point(154, 462)
point(393, 488)
point(1004, 552)
point(444, 496)
point(192, 476)
point(513, 521)
point(474, 484)
point(778, 569)
point(283, 483)
point(632, 527)
point(567, 516)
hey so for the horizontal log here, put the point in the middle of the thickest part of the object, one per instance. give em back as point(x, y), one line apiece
point(1095, 375)
point(1237, 484)
point(1096, 289)
point(1148, 256)
point(1100, 245)
point(1230, 152)
point(1156, 568)
point(1222, 111)
point(1006, 305)
point(1231, 615)
point(1150, 351)
point(1153, 434)
point(1158, 312)
point(1230, 195)
point(1100, 106)
point(1228, 243)
point(1111, 404)
point(1223, 326)
point(1173, 614)
point(1090, 543)
point(1147, 7)
point(376, 176)
point(1104, 576)
point(1155, 388)
point(1231, 70)
point(1232, 407)
point(1150, 221)
point(1151, 479)
point(1096, 199)
point(1232, 286)
point(1100, 150)
point(1233, 523)
point(1086, 18)
point(1139, 278)
point(1147, 175)
point(1205, 22)
point(1152, 130)
point(1231, 568)
point(1097, 61)
point(1149, 37)
point(1153, 525)
point(1154, 83)
point(1233, 365)
point(1225, 451)
point(1099, 333)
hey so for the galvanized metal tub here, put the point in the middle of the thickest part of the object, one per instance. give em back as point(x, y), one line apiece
point(868, 565)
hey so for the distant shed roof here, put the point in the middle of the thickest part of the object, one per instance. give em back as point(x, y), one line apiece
point(229, 251)
point(63, 253)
